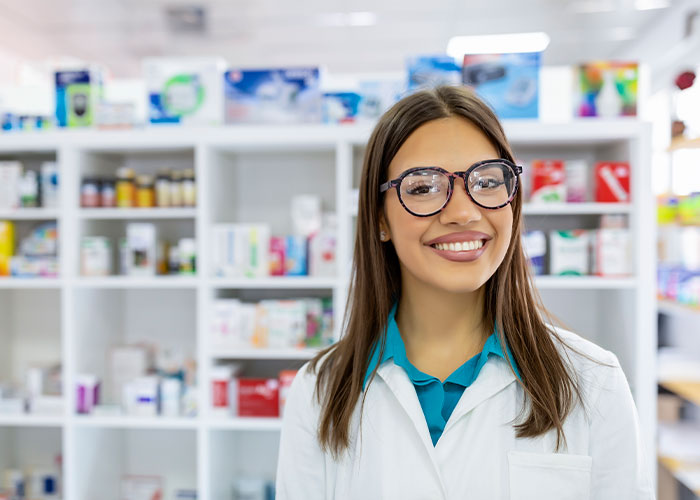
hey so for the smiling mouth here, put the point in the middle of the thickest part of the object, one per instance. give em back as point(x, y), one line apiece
point(460, 246)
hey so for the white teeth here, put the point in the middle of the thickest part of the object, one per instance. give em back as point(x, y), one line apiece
point(460, 246)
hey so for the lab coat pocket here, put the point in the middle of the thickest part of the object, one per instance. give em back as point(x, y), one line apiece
point(549, 476)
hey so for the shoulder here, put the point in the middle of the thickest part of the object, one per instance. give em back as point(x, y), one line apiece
point(302, 392)
point(596, 370)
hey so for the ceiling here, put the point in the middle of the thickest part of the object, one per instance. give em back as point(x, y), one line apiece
point(268, 33)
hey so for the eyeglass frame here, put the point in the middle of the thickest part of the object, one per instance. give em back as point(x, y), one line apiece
point(517, 169)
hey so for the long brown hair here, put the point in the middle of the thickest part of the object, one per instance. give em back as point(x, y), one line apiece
point(511, 301)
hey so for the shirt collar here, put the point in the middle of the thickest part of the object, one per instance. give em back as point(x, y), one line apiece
point(395, 349)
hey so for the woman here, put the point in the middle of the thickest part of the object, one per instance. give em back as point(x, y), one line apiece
point(447, 382)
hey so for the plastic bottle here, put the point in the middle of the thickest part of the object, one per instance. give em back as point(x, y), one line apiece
point(126, 190)
point(163, 189)
point(608, 102)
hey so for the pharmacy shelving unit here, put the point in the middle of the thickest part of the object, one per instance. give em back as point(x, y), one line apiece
point(249, 174)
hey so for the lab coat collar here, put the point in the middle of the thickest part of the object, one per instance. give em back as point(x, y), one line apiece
point(495, 376)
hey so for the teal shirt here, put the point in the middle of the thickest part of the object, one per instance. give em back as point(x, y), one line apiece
point(437, 399)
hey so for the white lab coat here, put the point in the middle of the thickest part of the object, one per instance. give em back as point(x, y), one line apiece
point(478, 456)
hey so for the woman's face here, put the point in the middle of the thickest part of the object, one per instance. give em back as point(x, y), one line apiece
point(454, 144)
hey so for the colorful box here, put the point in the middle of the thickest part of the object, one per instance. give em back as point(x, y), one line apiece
point(296, 256)
point(612, 182)
point(141, 249)
point(77, 95)
point(429, 71)
point(535, 245)
point(341, 107)
point(7, 246)
point(607, 89)
point(568, 252)
point(258, 397)
point(509, 83)
point(185, 90)
point(548, 181)
point(280, 95)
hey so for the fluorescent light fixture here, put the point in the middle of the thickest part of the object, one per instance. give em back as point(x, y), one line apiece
point(510, 43)
point(348, 19)
point(651, 4)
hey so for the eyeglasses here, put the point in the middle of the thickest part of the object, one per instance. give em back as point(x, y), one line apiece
point(425, 191)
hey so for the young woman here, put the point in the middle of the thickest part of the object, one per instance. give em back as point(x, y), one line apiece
point(447, 382)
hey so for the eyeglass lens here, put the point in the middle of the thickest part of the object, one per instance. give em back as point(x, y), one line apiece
point(425, 191)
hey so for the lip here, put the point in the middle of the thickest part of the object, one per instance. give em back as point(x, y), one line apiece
point(461, 236)
point(463, 256)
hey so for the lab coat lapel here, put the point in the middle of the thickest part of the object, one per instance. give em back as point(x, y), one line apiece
point(495, 376)
point(402, 387)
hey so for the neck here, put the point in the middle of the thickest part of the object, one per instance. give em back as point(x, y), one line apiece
point(440, 323)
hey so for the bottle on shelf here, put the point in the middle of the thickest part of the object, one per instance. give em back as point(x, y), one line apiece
point(126, 189)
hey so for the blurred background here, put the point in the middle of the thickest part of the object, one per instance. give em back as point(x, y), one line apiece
point(178, 203)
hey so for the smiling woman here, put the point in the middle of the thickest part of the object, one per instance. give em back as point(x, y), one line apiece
point(464, 389)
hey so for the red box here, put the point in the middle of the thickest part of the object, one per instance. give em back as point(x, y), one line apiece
point(276, 256)
point(612, 182)
point(548, 181)
point(286, 379)
point(258, 397)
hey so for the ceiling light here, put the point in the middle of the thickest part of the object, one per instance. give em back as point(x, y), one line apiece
point(651, 4)
point(510, 43)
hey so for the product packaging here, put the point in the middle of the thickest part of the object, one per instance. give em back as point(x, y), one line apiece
point(7, 246)
point(612, 182)
point(258, 397)
point(535, 245)
point(306, 214)
point(95, 256)
point(223, 387)
point(141, 397)
point(568, 252)
point(77, 95)
point(184, 90)
point(322, 248)
point(548, 181)
point(141, 249)
point(286, 323)
point(612, 252)
point(341, 107)
point(429, 71)
point(187, 249)
point(49, 184)
point(276, 256)
point(280, 95)
point(10, 175)
point(241, 250)
point(509, 83)
point(141, 487)
point(286, 378)
point(126, 364)
point(295, 256)
point(88, 393)
point(576, 173)
point(607, 89)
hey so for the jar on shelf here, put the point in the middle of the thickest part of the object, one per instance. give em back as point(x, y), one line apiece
point(126, 188)
point(108, 194)
point(145, 191)
point(90, 193)
point(176, 189)
point(189, 188)
point(163, 189)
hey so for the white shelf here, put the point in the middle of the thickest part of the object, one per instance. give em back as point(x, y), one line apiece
point(128, 282)
point(29, 420)
point(584, 282)
point(671, 308)
point(253, 353)
point(129, 422)
point(37, 214)
point(245, 424)
point(137, 213)
point(275, 282)
point(39, 283)
point(576, 208)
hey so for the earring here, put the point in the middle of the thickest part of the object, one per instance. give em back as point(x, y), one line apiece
point(382, 235)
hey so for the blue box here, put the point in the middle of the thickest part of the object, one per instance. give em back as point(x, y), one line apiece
point(431, 71)
point(295, 256)
point(77, 93)
point(341, 107)
point(290, 95)
point(509, 83)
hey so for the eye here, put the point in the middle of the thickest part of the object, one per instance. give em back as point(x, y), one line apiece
point(421, 188)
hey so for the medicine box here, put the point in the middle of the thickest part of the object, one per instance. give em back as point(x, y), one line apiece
point(277, 95)
point(185, 90)
point(509, 83)
point(77, 94)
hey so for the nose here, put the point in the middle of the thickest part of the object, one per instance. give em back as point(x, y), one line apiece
point(460, 209)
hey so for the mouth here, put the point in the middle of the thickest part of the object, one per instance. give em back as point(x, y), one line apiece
point(460, 251)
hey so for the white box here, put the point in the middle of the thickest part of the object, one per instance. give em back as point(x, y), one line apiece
point(10, 175)
point(186, 90)
point(141, 242)
point(612, 252)
point(568, 252)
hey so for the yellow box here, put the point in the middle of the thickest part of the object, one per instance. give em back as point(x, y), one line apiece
point(7, 246)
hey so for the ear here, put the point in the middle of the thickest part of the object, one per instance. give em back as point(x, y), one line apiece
point(384, 228)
